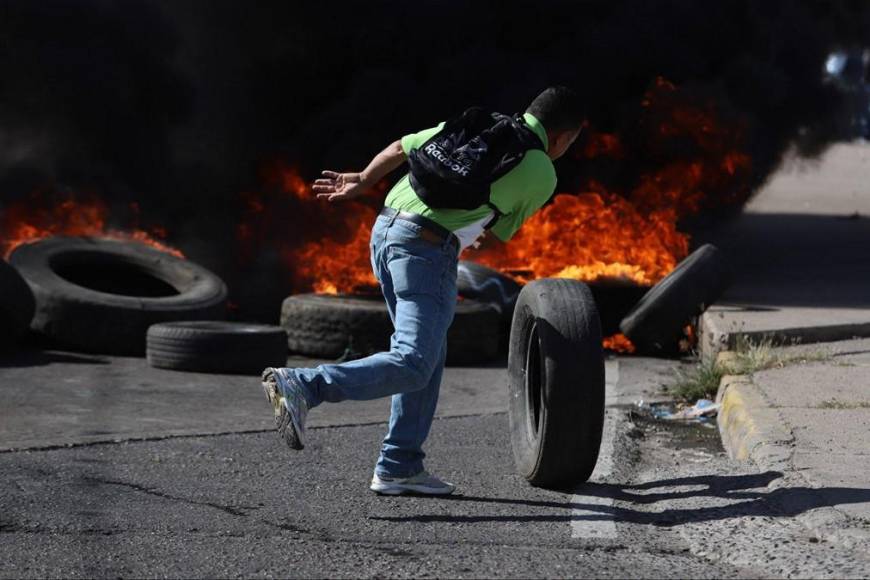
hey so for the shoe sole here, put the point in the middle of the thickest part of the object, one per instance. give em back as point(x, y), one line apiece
point(285, 423)
point(410, 491)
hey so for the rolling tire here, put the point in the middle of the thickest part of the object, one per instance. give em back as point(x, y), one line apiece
point(656, 322)
point(216, 346)
point(17, 305)
point(348, 327)
point(100, 295)
point(556, 382)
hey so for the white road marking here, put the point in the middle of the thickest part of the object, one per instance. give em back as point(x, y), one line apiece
point(600, 522)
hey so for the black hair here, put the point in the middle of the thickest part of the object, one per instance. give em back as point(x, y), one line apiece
point(558, 109)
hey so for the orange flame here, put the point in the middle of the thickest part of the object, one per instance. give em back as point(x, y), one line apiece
point(596, 234)
point(337, 260)
point(618, 343)
point(592, 236)
point(593, 233)
point(36, 218)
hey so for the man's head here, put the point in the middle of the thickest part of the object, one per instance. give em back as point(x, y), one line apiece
point(561, 113)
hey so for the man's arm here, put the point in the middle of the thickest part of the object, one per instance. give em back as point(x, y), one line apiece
point(337, 186)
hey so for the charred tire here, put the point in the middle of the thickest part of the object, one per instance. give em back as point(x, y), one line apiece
point(342, 326)
point(17, 305)
point(556, 381)
point(656, 323)
point(216, 346)
point(101, 295)
point(614, 300)
point(487, 285)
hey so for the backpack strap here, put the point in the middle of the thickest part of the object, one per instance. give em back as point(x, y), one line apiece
point(496, 216)
point(529, 140)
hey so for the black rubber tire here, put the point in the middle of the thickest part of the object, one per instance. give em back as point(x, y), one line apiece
point(614, 300)
point(556, 381)
point(108, 322)
point(348, 327)
point(656, 322)
point(16, 306)
point(487, 285)
point(216, 346)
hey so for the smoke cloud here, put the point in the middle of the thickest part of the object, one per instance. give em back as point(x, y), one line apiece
point(176, 105)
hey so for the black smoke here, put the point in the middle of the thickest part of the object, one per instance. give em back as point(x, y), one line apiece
point(175, 104)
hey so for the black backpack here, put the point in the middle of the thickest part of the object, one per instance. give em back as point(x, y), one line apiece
point(455, 168)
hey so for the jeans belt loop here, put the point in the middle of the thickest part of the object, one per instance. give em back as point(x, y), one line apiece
point(393, 218)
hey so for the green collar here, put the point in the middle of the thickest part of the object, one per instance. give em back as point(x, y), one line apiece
point(536, 126)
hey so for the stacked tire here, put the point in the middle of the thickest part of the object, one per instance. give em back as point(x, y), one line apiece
point(17, 306)
point(216, 346)
point(353, 326)
point(100, 295)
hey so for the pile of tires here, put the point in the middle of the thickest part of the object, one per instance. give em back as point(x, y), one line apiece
point(17, 306)
point(655, 324)
point(353, 326)
point(614, 298)
point(556, 382)
point(100, 295)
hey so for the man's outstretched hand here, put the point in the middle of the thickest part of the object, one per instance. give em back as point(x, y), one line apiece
point(337, 186)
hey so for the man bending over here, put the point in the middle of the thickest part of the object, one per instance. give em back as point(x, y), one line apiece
point(476, 172)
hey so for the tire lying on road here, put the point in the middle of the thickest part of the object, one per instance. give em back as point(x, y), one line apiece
point(485, 284)
point(656, 322)
point(212, 346)
point(479, 282)
point(614, 299)
point(556, 382)
point(17, 305)
point(353, 326)
point(100, 295)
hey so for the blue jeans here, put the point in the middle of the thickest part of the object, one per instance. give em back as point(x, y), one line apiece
point(418, 280)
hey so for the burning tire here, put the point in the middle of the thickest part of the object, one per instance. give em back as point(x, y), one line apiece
point(347, 327)
point(614, 299)
point(101, 295)
point(216, 347)
point(656, 323)
point(487, 285)
point(556, 381)
point(17, 306)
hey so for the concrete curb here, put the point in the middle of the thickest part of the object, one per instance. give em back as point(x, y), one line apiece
point(752, 430)
point(749, 427)
point(716, 335)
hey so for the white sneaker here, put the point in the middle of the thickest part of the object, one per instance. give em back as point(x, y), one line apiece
point(422, 483)
point(290, 411)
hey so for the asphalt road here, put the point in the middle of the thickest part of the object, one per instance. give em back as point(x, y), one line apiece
point(664, 501)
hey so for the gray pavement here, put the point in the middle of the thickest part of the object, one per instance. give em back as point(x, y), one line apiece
point(665, 500)
point(92, 398)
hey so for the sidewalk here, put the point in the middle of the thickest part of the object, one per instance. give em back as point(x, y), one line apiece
point(801, 253)
point(809, 419)
point(801, 257)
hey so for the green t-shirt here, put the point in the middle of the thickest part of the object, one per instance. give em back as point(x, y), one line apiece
point(517, 194)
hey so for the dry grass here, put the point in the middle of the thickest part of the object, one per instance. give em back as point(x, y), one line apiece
point(701, 380)
point(753, 356)
point(835, 404)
